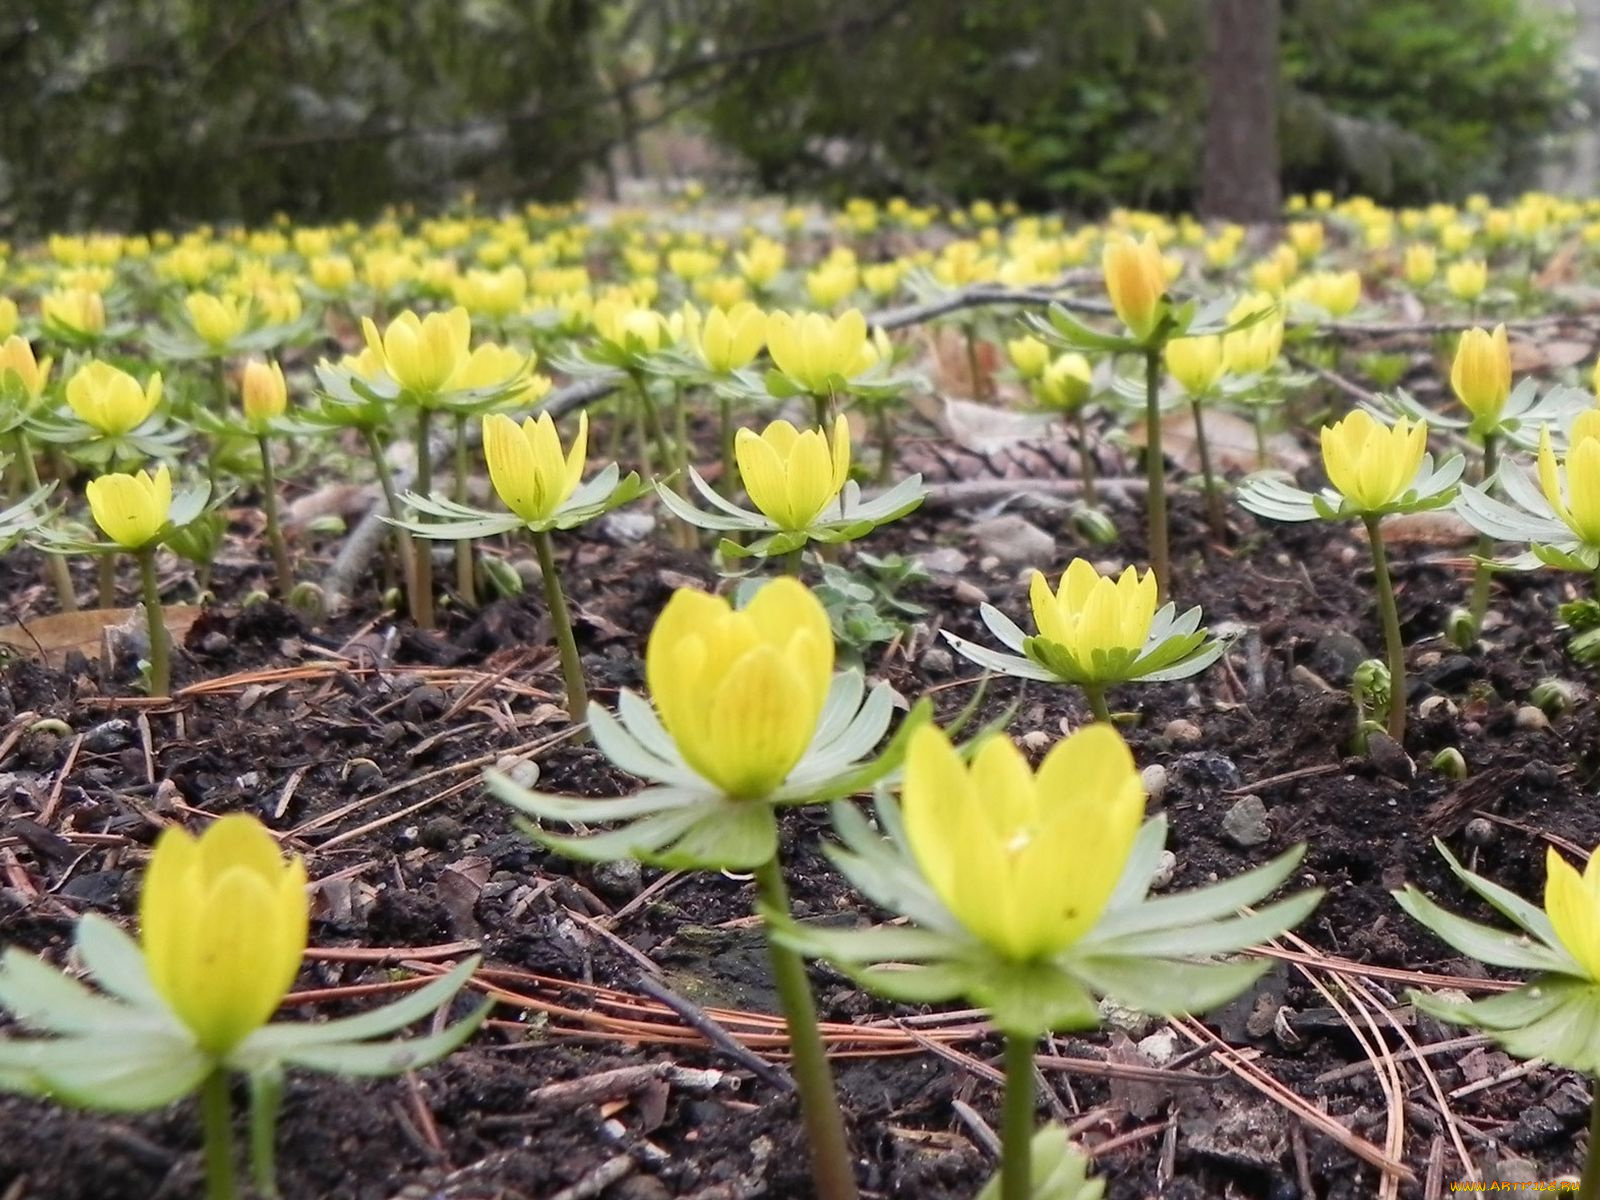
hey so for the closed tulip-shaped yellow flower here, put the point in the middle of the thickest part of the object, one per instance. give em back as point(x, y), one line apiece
point(1094, 626)
point(217, 319)
point(421, 354)
point(741, 691)
point(627, 325)
point(728, 341)
point(1026, 862)
point(1255, 348)
point(110, 400)
point(492, 294)
point(131, 509)
point(1573, 486)
point(530, 473)
point(1335, 292)
point(1572, 902)
point(19, 368)
point(263, 393)
point(814, 349)
point(1196, 362)
point(8, 316)
point(1370, 463)
point(1136, 278)
point(792, 476)
point(333, 273)
point(76, 310)
point(1421, 264)
point(1481, 373)
point(223, 920)
point(1065, 383)
point(1029, 356)
point(1467, 279)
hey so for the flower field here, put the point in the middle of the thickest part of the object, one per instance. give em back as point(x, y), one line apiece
point(728, 701)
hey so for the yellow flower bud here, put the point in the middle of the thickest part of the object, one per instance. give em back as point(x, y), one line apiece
point(1573, 487)
point(728, 341)
point(217, 319)
point(1094, 626)
point(75, 310)
point(19, 368)
point(529, 472)
point(1371, 464)
point(762, 261)
point(1467, 279)
point(493, 294)
point(131, 509)
point(223, 921)
point(1029, 356)
point(1197, 363)
point(1026, 862)
point(829, 284)
point(882, 279)
point(1065, 383)
point(110, 400)
point(814, 350)
point(1572, 902)
point(1306, 237)
point(333, 273)
point(1335, 292)
point(741, 692)
point(1254, 349)
point(8, 316)
point(792, 476)
point(627, 326)
point(263, 392)
point(421, 354)
point(1481, 373)
point(1135, 276)
point(691, 264)
point(1421, 264)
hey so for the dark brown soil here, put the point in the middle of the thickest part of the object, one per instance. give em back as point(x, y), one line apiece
point(449, 867)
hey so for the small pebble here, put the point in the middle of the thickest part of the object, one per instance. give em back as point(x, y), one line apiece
point(1155, 781)
point(1437, 704)
point(424, 703)
point(1160, 1047)
point(523, 772)
point(936, 660)
point(362, 775)
point(216, 643)
point(109, 736)
point(1166, 868)
point(621, 879)
point(1480, 832)
point(439, 833)
point(967, 592)
point(1390, 758)
point(1036, 741)
point(946, 560)
point(1532, 717)
point(1182, 732)
point(1246, 823)
point(1014, 539)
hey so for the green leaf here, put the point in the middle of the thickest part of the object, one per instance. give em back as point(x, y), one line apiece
point(387, 1058)
point(116, 962)
point(1496, 947)
point(1165, 988)
point(1031, 998)
point(111, 1073)
point(1057, 1170)
point(1528, 917)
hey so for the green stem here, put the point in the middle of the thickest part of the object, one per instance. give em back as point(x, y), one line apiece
point(1219, 528)
point(405, 549)
point(1391, 631)
point(654, 426)
point(1589, 1181)
point(1481, 577)
point(160, 651)
point(1258, 419)
point(972, 362)
point(266, 1101)
point(269, 505)
point(216, 1123)
point(730, 464)
point(819, 1104)
point(421, 557)
point(793, 562)
point(561, 626)
point(107, 581)
point(1016, 1120)
point(1085, 456)
point(1155, 473)
point(466, 577)
point(641, 430)
point(1096, 696)
point(55, 564)
point(885, 423)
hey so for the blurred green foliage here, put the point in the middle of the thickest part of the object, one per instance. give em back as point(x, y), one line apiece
point(1102, 101)
point(137, 113)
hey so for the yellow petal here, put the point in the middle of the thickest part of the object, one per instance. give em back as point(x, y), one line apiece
point(765, 477)
point(1572, 912)
point(512, 466)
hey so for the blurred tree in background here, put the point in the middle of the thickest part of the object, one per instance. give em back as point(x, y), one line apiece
point(139, 113)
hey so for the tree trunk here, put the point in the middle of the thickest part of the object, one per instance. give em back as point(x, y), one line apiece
point(1240, 181)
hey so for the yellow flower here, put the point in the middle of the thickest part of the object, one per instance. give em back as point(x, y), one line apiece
point(882, 279)
point(1467, 279)
point(814, 349)
point(16, 360)
point(110, 400)
point(792, 476)
point(729, 340)
point(333, 273)
point(1572, 902)
point(492, 294)
point(626, 325)
point(1578, 503)
point(831, 282)
point(529, 472)
point(1254, 349)
point(75, 310)
point(1136, 278)
point(1335, 292)
point(8, 316)
point(1065, 383)
point(762, 261)
point(1026, 862)
point(1371, 464)
point(131, 509)
point(741, 691)
point(490, 366)
point(263, 392)
point(217, 319)
point(1421, 264)
point(1029, 356)
point(1196, 362)
point(691, 264)
point(421, 354)
point(223, 921)
point(1481, 373)
point(1098, 624)
point(1306, 237)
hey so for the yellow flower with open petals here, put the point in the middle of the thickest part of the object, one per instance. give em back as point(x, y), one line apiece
point(529, 472)
point(18, 363)
point(223, 921)
point(728, 340)
point(813, 349)
point(1093, 626)
point(421, 353)
point(741, 691)
point(1572, 486)
point(110, 400)
point(217, 319)
point(75, 310)
point(1370, 463)
point(1026, 862)
point(1572, 902)
point(131, 509)
point(792, 476)
point(1197, 363)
